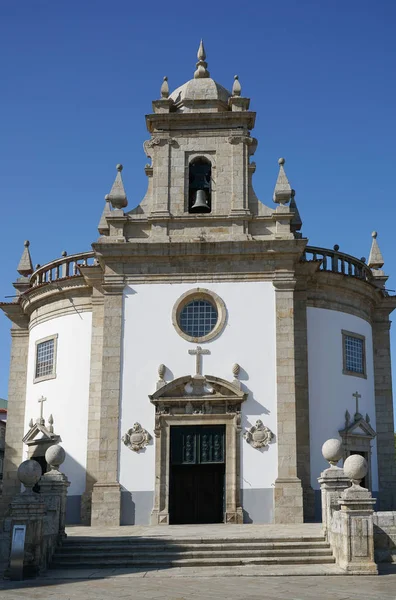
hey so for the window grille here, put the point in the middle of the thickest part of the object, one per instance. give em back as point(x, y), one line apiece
point(45, 358)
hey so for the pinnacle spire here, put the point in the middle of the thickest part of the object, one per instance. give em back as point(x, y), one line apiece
point(25, 266)
point(103, 226)
point(201, 65)
point(165, 88)
point(236, 88)
point(282, 191)
point(296, 222)
point(375, 260)
point(117, 195)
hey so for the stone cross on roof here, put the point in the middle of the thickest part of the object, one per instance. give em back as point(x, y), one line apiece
point(198, 353)
point(358, 416)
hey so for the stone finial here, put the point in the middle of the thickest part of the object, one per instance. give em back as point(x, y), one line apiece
point(355, 468)
point(51, 424)
point(236, 369)
point(55, 456)
point(161, 372)
point(282, 191)
point(165, 88)
point(332, 451)
point(296, 222)
point(201, 70)
point(29, 472)
point(31, 423)
point(236, 88)
point(375, 260)
point(25, 266)
point(103, 226)
point(117, 195)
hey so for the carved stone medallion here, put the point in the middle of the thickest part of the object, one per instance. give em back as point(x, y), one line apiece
point(258, 436)
point(136, 438)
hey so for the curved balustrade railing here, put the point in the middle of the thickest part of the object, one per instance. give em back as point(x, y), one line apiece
point(331, 260)
point(67, 266)
point(338, 262)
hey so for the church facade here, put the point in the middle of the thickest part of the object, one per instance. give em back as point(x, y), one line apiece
point(193, 363)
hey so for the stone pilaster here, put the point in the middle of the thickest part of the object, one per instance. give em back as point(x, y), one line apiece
point(384, 410)
point(288, 502)
point(13, 454)
point(106, 495)
point(94, 408)
point(333, 482)
point(302, 399)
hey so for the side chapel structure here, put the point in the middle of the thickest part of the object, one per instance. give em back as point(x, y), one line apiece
point(195, 360)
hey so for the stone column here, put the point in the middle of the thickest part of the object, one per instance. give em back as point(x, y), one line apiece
point(351, 529)
point(288, 500)
point(94, 408)
point(53, 488)
point(384, 410)
point(16, 410)
point(106, 495)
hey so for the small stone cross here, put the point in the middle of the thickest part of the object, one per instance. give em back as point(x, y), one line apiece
point(197, 353)
point(41, 402)
point(356, 395)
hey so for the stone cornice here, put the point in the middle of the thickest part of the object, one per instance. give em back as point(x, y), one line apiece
point(218, 120)
point(47, 293)
point(14, 312)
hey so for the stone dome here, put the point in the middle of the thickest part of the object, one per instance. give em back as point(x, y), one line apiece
point(200, 94)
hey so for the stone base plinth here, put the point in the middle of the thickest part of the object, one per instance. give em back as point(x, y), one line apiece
point(106, 504)
point(288, 501)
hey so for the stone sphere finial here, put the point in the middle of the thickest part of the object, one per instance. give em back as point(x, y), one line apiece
point(336, 247)
point(374, 234)
point(119, 168)
point(355, 468)
point(332, 451)
point(26, 243)
point(281, 161)
point(64, 253)
point(29, 472)
point(55, 456)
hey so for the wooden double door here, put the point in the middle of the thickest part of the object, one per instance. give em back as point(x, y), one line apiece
point(197, 474)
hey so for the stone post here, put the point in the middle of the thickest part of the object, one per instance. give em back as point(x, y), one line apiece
point(351, 534)
point(28, 508)
point(333, 482)
point(16, 407)
point(106, 495)
point(288, 500)
point(53, 488)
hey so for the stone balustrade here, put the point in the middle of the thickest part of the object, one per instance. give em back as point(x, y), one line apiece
point(337, 262)
point(67, 266)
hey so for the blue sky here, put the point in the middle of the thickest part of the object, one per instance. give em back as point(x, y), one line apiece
point(77, 79)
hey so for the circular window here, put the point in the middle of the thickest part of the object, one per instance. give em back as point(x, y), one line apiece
point(199, 315)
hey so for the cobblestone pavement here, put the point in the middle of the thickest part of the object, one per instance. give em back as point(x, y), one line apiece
point(186, 587)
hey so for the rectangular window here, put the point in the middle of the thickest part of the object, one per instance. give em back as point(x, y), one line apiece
point(354, 354)
point(45, 367)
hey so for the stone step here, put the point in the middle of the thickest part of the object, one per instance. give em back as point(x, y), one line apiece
point(163, 547)
point(138, 554)
point(191, 562)
point(77, 539)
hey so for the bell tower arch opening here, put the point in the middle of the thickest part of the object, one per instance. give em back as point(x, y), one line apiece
point(199, 186)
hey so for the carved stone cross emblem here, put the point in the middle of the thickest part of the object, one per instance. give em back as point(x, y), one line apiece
point(41, 402)
point(356, 395)
point(198, 352)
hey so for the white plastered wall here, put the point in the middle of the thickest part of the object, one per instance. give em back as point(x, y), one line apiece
point(330, 391)
point(67, 395)
point(150, 339)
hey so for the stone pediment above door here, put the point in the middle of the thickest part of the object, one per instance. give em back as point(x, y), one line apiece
point(198, 394)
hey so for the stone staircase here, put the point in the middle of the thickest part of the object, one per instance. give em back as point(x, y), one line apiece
point(156, 553)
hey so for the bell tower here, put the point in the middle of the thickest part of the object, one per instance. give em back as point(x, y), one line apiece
point(200, 174)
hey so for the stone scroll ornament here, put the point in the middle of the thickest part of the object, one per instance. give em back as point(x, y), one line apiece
point(258, 436)
point(136, 438)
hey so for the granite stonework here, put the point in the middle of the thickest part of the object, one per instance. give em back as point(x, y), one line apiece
point(385, 536)
point(163, 241)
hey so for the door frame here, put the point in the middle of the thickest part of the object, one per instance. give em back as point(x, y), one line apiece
point(233, 510)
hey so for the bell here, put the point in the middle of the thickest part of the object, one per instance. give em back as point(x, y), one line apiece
point(200, 203)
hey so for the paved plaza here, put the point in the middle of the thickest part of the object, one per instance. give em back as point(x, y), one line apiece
point(186, 586)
